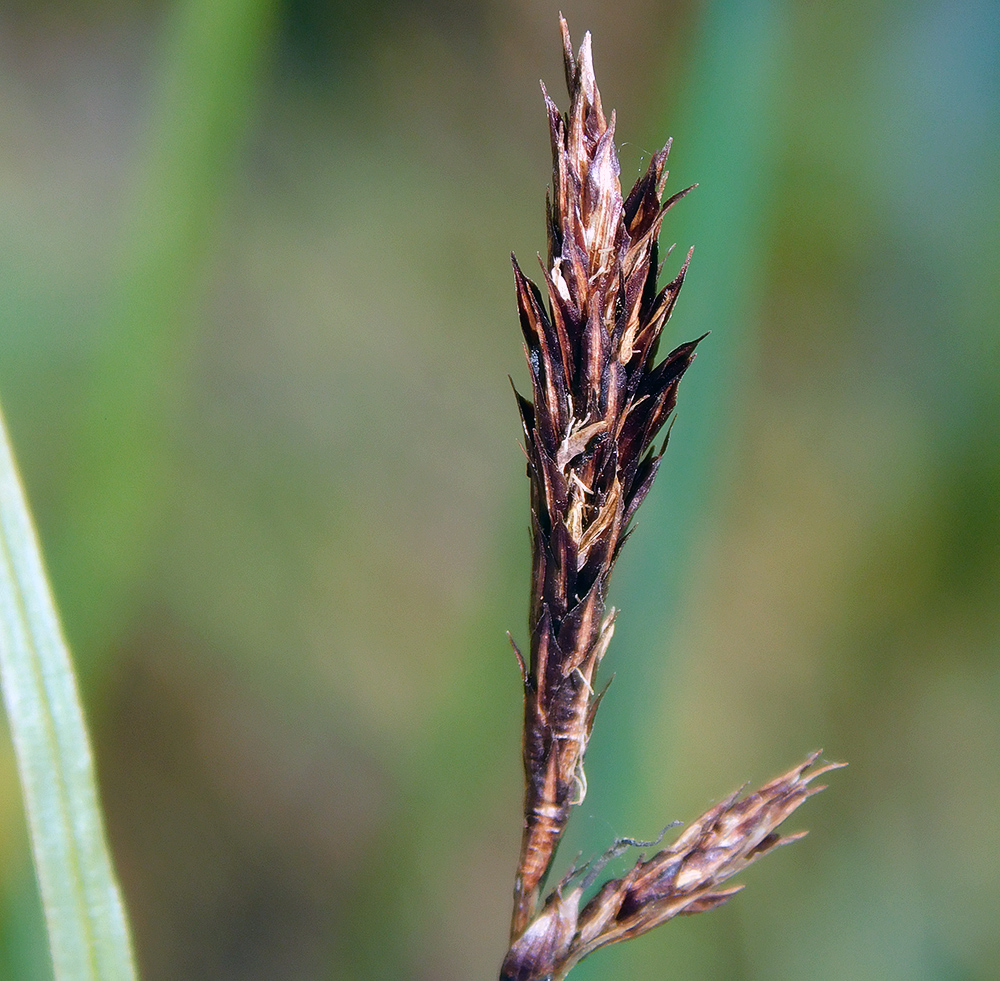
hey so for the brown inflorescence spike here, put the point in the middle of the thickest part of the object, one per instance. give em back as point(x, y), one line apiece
point(681, 880)
point(598, 401)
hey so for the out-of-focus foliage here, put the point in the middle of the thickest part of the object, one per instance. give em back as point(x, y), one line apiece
point(305, 711)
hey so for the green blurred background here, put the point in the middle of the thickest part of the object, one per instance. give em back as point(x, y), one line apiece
point(256, 318)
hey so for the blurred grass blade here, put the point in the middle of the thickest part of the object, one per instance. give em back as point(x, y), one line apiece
point(88, 935)
point(212, 57)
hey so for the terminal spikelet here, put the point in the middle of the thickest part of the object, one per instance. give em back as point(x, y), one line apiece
point(599, 400)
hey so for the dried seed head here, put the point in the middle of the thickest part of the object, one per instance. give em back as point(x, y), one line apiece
point(684, 879)
point(599, 399)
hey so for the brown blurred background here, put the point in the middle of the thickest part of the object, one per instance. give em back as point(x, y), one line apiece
point(256, 318)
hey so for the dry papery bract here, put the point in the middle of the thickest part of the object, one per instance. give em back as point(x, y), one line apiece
point(599, 400)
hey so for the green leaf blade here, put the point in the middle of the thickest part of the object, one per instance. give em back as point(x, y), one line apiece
point(84, 914)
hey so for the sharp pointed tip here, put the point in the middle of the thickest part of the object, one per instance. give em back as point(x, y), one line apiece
point(566, 39)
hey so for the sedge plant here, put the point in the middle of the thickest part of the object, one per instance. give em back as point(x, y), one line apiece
point(600, 398)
